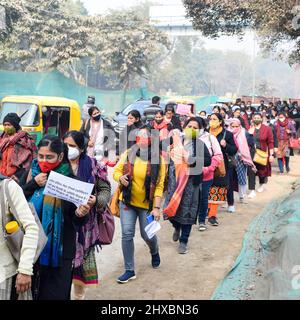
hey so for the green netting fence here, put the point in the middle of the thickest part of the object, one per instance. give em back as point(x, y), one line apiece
point(268, 267)
point(56, 84)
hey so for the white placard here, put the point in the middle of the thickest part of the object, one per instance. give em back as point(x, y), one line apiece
point(152, 228)
point(65, 188)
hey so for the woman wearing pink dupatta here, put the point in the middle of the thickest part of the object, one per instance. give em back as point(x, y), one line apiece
point(243, 141)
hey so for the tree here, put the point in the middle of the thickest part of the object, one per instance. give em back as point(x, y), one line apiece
point(276, 21)
point(74, 8)
point(55, 34)
point(126, 45)
point(44, 37)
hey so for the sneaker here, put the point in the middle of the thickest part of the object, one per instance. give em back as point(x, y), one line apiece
point(252, 194)
point(125, 277)
point(176, 235)
point(182, 249)
point(213, 221)
point(202, 227)
point(224, 206)
point(288, 170)
point(231, 209)
point(261, 188)
point(243, 201)
point(155, 260)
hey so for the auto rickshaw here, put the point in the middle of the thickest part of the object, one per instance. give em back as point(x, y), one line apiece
point(43, 115)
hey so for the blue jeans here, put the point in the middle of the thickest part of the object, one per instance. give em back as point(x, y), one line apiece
point(128, 217)
point(203, 200)
point(185, 230)
point(280, 164)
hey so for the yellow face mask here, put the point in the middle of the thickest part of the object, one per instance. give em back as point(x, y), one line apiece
point(214, 124)
point(191, 133)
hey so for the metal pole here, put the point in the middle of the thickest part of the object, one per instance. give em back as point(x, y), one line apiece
point(254, 66)
point(86, 74)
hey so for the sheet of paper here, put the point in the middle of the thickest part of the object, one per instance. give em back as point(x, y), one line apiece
point(183, 109)
point(152, 228)
point(68, 189)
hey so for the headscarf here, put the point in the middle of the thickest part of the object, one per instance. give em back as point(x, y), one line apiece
point(240, 139)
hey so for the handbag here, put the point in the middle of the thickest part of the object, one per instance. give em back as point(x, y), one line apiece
point(14, 240)
point(114, 202)
point(106, 227)
point(294, 143)
point(261, 157)
point(220, 171)
point(231, 161)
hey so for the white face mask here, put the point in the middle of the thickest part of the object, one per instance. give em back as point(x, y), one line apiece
point(73, 153)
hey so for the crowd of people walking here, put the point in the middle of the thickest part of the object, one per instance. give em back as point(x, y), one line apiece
point(179, 170)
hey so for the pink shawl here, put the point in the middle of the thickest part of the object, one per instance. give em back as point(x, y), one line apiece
point(240, 140)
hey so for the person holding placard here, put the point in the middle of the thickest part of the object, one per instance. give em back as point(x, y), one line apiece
point(88, 170)
point(53, 271)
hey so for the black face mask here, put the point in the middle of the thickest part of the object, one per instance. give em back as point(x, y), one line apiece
point(159, 121)
point(97, 118)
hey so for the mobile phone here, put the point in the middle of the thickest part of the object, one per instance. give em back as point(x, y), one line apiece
point(150, 218)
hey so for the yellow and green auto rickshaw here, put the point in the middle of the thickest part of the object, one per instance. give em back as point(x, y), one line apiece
point(42, 115)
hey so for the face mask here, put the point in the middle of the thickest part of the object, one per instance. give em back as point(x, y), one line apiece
point(235, 130)
point(249, 112)
point(281, 120)
point(47, 167)
point(191, 133)
point(73, 153)
point(203, 117)
point(295, 112)
point(143, 141)
point(159, 121)
point(214, 124)
point(257, 122)
point(97, 118)
point(10, 131)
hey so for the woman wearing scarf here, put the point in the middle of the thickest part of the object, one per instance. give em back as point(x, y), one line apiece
point(222, 187)
point(141, 174)
point(87, 170)
point(128, 135)
point(53, 271)
point(17, 148)
point(188, 157)
point(215, 151)
point(164, 127)
point(284, 129)
point(244, 141)
point(264, 140)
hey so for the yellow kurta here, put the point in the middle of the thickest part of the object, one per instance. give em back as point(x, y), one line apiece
point(138, 191)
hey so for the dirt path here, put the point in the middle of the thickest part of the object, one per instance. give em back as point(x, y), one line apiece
point(196, 274)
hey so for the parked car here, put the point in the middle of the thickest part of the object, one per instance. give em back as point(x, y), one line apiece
point(119, 121)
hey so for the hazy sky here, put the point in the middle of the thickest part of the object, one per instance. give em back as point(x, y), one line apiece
point(223, 43)
point(100, 6)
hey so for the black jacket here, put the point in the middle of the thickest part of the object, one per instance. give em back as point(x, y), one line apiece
point(124, 143)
